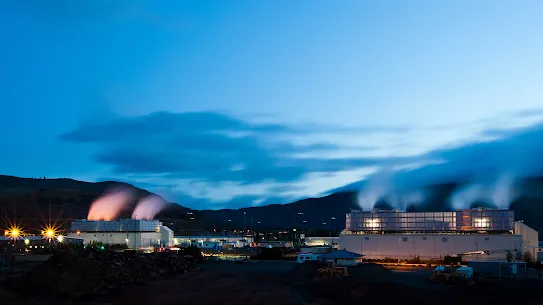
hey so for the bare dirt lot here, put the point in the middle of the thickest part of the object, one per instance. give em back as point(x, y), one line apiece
point(279, 282)
point(283, 282)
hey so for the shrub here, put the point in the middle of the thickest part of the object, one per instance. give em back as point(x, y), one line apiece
point(528, 257)
point(509, 256)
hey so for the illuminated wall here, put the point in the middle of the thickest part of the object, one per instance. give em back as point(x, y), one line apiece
point(130, 232)
point(198, 241)
point(530, 238)
point(428, 246)
point(321, 241)
point(130, 239)
point(122, 225)
point(463, 220)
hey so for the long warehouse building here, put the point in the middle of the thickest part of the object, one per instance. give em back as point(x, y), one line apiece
point(133, 233)
point(482, 234)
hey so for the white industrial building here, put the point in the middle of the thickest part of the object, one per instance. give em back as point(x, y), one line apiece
point(133, 233)
point(477, 234)
point(213, 242)
point(321, 241)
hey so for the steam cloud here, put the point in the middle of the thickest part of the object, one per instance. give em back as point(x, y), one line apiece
point(497, 170)
point(500, 192)
point(382, 187)
point(375, 190)
point(149, 207)
point(110, 205)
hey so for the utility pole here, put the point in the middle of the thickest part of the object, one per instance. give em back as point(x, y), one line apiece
point(135, 222)
point(244, 222)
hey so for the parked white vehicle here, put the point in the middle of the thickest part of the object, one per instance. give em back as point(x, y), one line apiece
point(307, 257)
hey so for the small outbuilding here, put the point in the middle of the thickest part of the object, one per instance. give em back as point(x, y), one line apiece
point(342, 258)
point(497, 269)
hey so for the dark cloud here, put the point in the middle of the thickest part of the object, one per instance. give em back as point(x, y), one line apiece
point(216, 149)
point(209, 146)
point(519, 153)
point(515, 152)
point(163, 124)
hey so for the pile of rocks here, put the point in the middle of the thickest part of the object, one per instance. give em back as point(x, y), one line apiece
point(89, 273)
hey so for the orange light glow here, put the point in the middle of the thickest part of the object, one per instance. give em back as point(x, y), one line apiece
point(109, 206)
point(49, 232)
point(14, 232)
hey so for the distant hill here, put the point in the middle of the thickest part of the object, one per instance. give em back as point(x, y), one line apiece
point(30, 201)
point(34, 202)
point(329, 212)
point(319, 213)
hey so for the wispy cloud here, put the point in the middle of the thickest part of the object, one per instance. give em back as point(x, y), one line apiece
point(209, 158)
point(516, 151)
point(202, 146)
point(213, 156)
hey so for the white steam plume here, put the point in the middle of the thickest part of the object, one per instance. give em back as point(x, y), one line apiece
point(504, 191)
point(462, 198)
point(413, 198)
point(376, 188)
point(149, 207)
point(500, 192)
point(110, 205)
point(382, 187)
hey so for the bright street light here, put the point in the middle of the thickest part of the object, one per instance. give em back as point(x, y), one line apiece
point(60, 238)
point(27, 241)
point(15, 233)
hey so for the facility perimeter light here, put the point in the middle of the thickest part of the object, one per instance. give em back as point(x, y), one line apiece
point(49, 232)
point(14, 232)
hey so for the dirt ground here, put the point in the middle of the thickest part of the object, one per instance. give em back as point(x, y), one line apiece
point(283, 282)
point(289, 283)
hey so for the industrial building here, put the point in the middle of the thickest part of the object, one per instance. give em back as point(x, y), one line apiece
point(476, 234)
point(213, 242)
point(133, 233)
point(321, 241)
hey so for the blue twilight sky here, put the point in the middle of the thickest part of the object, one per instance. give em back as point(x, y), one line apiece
point(238, 103)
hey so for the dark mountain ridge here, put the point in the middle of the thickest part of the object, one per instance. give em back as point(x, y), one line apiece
point(30, 201)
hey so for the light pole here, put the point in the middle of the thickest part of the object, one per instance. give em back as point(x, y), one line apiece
point(244, 222)
point(135, 223)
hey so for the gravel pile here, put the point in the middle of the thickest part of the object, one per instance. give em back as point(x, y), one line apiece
point(370, 273)
point(86, 274)
point(303, 272)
